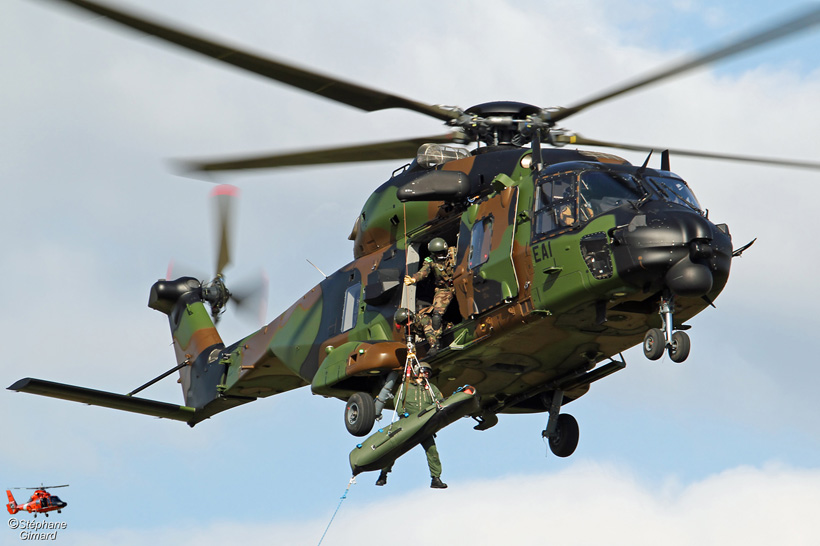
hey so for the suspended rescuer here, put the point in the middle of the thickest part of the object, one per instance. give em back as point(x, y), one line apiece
point(417, 394)
point(441, 263)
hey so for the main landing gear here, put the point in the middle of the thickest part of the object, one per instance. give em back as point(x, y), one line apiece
point(562, 431)
point(656, 341)
point(360, 414)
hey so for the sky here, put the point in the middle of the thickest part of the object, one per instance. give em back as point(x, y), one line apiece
point(722, 447)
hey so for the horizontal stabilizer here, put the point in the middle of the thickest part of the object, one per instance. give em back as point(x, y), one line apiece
point(104, 399)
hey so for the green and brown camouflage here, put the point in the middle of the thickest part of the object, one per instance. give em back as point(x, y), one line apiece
point(528, 305)
point(535, 309)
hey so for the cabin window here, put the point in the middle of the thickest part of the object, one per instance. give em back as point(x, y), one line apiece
point(350, 311)
point(481, 242)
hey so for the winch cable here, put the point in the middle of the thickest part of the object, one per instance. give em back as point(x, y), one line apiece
point(432, 394)
point(408, 370)
point(341, 500)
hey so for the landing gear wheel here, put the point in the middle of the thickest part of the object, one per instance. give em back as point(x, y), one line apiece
point(653, 344)
point(679, 348)
point(360, 414)
point(565, 439)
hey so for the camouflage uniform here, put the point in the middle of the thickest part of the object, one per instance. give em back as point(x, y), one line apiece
point(443, 273)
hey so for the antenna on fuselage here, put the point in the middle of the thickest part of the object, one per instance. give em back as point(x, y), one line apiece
point(317, 269)
point(665, 161)
point(642, 168)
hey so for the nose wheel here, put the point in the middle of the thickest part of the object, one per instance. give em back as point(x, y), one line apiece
point(657, 341)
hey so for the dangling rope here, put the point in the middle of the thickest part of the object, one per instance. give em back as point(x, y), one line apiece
point(344, 496)
point(406, 290)
point(411, 349)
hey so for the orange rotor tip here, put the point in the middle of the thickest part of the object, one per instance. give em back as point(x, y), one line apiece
point(225, 189)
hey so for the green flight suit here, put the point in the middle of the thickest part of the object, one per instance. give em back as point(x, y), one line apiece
point(414, 398)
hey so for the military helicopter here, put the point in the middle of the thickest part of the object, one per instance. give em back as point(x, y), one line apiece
point(565, 259)
point(41, 502)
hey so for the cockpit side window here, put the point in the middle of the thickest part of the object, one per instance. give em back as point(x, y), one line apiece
point(567, 199)
point(556, 205)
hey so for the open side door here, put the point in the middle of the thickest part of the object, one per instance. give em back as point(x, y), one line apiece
point(485, 274)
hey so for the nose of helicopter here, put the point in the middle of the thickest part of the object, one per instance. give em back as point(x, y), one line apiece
point(668, 246)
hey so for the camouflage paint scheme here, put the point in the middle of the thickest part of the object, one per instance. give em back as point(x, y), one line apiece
point(535, 312)
point(527, 319)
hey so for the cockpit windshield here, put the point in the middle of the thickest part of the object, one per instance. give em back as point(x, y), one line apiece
point(574, 197)
point(674, 190)
point(603, 191)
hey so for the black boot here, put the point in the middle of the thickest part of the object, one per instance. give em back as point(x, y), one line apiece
point(382, 478)
point(436, 483)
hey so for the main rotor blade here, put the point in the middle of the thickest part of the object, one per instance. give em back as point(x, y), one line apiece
point(329, 87)
point(396, 149)
point(801, 21)
point(224, 197)
point(583, 141)
point(41, 487)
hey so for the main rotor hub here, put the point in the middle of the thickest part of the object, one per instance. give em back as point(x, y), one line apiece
point(503, 122)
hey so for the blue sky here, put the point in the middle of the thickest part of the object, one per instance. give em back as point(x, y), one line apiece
point(724, 445)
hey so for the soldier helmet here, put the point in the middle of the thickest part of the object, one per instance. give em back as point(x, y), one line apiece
point(425, 370)
point(402, 315)
point(437, 247)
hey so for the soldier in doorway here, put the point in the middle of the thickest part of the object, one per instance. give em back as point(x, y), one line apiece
point(441, 263)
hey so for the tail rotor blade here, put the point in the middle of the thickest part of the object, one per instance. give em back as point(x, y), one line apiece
point(251, 298)
point(224, 198)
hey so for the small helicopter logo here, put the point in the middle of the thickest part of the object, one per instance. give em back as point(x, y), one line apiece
point(41, 502)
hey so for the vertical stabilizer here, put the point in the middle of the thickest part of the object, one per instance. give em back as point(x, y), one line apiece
point(196, 341)
point(12, 505)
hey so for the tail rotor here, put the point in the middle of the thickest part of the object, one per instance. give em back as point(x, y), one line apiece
point(249, 297)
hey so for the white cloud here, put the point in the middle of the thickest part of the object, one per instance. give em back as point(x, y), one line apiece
point(587, 503)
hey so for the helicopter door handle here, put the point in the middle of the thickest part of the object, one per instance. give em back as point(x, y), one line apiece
point(553, 269)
